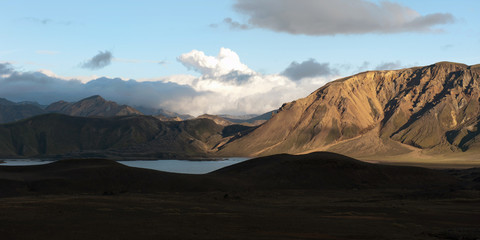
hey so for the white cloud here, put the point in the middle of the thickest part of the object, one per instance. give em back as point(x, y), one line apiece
point(226, 62)
point(229, 86)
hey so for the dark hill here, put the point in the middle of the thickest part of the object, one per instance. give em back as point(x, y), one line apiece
point(94, 176)
point(315, 171)
point(325, 170)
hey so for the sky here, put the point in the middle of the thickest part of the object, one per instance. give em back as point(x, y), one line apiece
point(220, 57)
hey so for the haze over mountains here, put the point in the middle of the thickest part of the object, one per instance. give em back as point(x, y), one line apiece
point(433, 109)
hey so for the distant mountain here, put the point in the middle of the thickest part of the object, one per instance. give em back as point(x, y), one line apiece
point(135, 136)
point(217, 119)
point(163, 118)
point(432, 109)
point(92, 106)
point(249, 119)
point(11, 111)
point(168, 115)
point(238, 118)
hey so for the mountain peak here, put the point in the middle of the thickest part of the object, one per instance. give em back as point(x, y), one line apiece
point(450, 64)
point(92, 106)
point(95, 98)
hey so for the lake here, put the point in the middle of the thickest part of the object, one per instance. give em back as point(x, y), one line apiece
point(175, 166)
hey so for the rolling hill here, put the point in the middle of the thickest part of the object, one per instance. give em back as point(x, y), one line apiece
point(315, 171)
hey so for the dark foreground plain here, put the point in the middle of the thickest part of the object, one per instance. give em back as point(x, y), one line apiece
point(315, 196)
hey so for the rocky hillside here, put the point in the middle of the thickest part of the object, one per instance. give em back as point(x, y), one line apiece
point(92, 106)
point(434, 108)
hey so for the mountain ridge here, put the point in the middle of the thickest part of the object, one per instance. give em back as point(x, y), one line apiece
point(92, 106)
point(122, 137)
point(430, 108)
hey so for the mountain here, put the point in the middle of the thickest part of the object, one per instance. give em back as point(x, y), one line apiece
point(250, 119)
point(162, 114)
point(238, 118)
point(246, 120)
point(433, 109)
point(11, 111)
point(217, 119)
point(135, 136)
point(92, 106)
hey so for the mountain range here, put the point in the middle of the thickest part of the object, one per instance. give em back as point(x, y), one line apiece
point(422, 110)
point(11, 111)
point(134, 136)
point(96, 106)
point(92, 106)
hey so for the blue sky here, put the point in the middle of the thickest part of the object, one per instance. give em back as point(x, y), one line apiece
point(145, 40)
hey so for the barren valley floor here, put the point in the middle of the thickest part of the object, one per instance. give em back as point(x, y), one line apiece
point(243, 215)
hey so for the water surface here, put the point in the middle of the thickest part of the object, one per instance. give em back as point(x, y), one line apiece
point(184, 166)
point(175, 166)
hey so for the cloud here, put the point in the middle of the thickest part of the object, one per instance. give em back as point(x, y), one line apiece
point(46, 87)
point(46, 21)
point(5, 68)
point(224, 85)
point(230, 87)
point(235, 24)
point(331, 17)
point(389, 66)
point(225, 63)
point(101, 60)
point(309, 68)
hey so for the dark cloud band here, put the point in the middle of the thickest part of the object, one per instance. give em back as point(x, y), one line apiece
point(331, 17)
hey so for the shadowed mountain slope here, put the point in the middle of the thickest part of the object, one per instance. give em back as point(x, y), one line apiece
point(56, 135)
point(381, 112)
point(11, 111)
